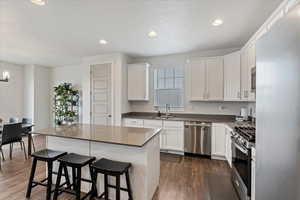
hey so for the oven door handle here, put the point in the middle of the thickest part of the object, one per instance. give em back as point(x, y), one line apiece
point(242, 149)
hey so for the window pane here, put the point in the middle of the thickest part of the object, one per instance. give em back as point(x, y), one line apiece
point(169, 83)
point(169, 72)
point(161, 83)
point(179, 83)
point(169, 87)
point(179, 72)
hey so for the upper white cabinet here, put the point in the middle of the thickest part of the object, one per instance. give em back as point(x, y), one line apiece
point(232, 77)
point(198, 79)
point(206, 79)
point(138, 82)
point(215, 79)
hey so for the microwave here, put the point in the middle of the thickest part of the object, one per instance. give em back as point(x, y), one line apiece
point(253, 79)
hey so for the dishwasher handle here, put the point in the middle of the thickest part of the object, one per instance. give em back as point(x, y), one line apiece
point(197, 125)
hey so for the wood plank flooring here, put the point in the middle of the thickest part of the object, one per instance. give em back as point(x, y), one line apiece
point(182, 178)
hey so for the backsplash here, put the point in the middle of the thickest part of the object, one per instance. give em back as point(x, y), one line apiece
point(225, 108)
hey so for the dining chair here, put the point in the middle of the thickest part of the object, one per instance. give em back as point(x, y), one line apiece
point(13, 120)
point(26, 131)
point(12, 133)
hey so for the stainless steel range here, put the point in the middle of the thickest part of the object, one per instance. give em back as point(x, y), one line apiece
point(243, 139)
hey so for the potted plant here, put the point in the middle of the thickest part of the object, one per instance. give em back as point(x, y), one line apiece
point(66, 104)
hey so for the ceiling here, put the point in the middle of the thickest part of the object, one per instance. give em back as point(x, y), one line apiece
point(63, 31)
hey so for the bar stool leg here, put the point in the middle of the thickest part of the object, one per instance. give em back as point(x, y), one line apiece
point(67, 176)
point(33, 168)
point(106, 193)
point(49, 183)
point(128, 185)
point(58, 181)
point(94, 192)
point(78, 185)
point(74, 178)
point(118, 188)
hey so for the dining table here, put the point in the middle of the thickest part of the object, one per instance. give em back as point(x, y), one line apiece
point(27, 129)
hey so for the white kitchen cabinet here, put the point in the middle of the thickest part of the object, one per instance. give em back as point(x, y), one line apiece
point(138, 82)
point(138, 123)
point(174, 137)
point(228, 133)
point(157, 124)
point(248, 59)
point(197, 69)
point(215, 73)
point(232, 77)
point(206, 79)
point(218, 145)
point(253, 174)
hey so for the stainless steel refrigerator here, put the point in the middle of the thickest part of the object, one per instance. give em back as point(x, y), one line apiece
point(278, 111)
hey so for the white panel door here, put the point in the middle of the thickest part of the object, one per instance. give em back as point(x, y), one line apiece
point(215, 85)
point(198, 79)
point(101, 103)
point(232, 77)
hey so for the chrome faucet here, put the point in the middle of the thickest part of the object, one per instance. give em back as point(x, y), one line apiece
point(168, 110)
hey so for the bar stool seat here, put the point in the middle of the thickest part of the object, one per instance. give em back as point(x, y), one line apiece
point(111, 168)
point(49, 156)
point(76, 162)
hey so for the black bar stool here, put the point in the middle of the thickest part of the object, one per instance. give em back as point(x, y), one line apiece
point(49, 156)
point(76, 162)
point(111, 168)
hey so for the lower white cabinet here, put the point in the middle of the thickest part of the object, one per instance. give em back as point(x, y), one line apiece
point(253, 174)
point(156, 124)
point(228, 133)
point(138, 123)
point(218, 141)
point(171, 135)
point(221, 142)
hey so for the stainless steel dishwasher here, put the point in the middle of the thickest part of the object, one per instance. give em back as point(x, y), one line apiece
point(197, 138)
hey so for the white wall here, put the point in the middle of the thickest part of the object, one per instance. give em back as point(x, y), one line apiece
point(28, 86)
point(42, 109)
point(11, 93)
point(37, 95)
point(190, 107)
point(79, 76)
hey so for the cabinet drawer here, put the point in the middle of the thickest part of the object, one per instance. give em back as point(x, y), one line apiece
point(133, 122)
point(153, 124)
point(173, 125)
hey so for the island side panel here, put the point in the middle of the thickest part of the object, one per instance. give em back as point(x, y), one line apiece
point(142, 167)
point(71, 146)
point(153, 169)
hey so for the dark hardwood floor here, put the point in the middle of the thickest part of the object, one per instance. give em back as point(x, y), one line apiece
point(182, 178)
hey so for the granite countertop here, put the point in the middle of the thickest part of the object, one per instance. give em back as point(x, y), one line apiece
point(137, 137)
point(183, 117)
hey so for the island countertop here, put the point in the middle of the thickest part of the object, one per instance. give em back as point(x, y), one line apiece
point(98, 133)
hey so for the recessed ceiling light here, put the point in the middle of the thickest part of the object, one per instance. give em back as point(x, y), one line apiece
point(217, 22)
point(39, 2)
point(152, 34)
point(102, 41)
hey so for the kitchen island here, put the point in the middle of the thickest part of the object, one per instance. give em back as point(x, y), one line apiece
point(139, 146)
